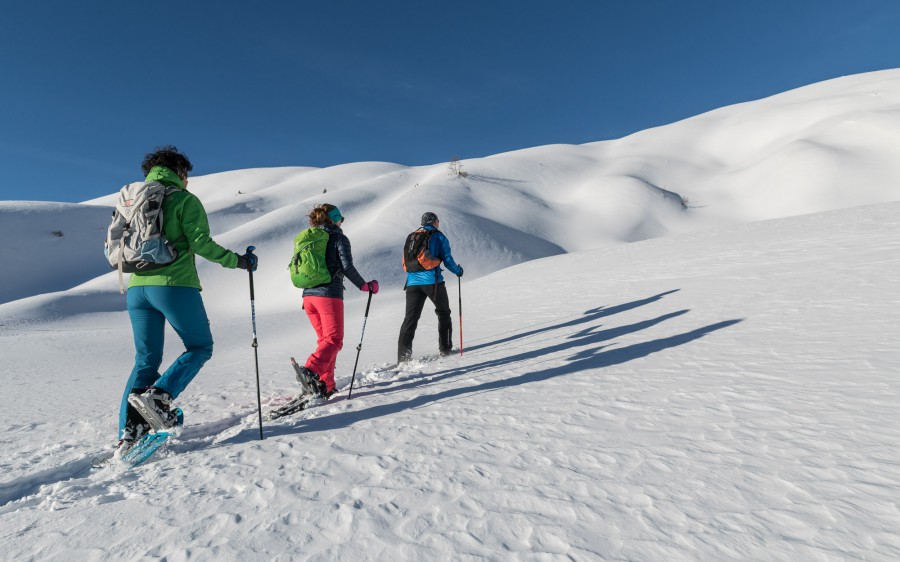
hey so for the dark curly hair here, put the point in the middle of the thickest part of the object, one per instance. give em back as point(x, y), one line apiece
point(169, 157)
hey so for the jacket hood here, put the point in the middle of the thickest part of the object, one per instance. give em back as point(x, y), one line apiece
point(165, 176)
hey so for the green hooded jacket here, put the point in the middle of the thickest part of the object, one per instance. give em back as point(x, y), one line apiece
point(186, 227)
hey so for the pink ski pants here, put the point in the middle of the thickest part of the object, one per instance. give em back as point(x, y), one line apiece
point(326, 314)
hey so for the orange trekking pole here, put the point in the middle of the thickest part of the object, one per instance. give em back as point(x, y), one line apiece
point(460, 316)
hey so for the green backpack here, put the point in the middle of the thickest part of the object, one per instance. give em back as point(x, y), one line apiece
point(308, 267)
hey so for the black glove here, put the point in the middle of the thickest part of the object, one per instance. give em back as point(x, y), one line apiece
point(460, 270)
point(248, 261)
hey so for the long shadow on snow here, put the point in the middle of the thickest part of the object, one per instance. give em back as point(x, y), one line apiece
point(588, 336)
point(594, 358)
point(492, 179)
point(588, 316)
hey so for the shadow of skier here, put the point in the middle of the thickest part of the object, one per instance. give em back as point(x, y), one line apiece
point(590, 336)
point(595, 358)
point(588, 316)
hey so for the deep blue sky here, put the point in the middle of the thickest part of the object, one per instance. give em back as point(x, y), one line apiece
point(89, 87)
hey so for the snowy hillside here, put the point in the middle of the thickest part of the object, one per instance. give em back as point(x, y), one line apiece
point(723, 395)
point(680, 345)
point(49, 247)
point(827, 146)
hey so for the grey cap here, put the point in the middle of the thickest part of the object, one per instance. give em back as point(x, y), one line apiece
point(429, 218)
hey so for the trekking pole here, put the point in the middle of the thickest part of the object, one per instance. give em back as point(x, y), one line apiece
point(460, 316)
point(255, 344)
point(359, 347)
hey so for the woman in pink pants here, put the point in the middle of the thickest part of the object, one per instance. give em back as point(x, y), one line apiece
point(324, 304)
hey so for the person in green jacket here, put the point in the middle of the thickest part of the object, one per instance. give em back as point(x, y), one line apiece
point(170, 293)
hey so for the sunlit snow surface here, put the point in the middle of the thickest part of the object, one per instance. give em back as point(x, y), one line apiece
point(723, 387)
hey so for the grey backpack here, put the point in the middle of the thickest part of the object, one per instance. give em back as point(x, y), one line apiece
point(134, 241)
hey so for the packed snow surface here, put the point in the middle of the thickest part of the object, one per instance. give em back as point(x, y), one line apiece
point(680, 345)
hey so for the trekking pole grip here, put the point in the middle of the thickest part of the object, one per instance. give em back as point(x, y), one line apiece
point(252, 295)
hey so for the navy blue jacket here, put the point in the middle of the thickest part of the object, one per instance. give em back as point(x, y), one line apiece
point(340, 263)
point(439, 247)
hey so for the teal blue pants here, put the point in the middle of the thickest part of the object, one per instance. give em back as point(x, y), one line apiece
point(149, 309)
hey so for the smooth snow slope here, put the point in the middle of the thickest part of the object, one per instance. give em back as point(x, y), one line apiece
point(722, 395)
point(826, 146)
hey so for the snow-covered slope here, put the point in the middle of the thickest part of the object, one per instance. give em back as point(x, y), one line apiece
point(652, 369)
point(49, 247)
point(827, 146)
point(730, 394)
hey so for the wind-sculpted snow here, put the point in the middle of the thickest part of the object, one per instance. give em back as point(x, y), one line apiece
point(649, 370)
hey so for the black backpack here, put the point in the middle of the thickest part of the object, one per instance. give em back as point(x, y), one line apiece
point(416, 256)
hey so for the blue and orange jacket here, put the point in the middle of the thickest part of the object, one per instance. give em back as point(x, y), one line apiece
point(439, 247)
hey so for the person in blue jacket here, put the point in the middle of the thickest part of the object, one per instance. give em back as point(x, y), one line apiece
point(425, 250)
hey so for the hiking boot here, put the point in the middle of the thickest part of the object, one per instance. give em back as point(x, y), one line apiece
point(135, 428)
point(311, 382)
point(155, 406)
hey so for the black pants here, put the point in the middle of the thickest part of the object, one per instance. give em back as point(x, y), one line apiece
point(415, 301)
